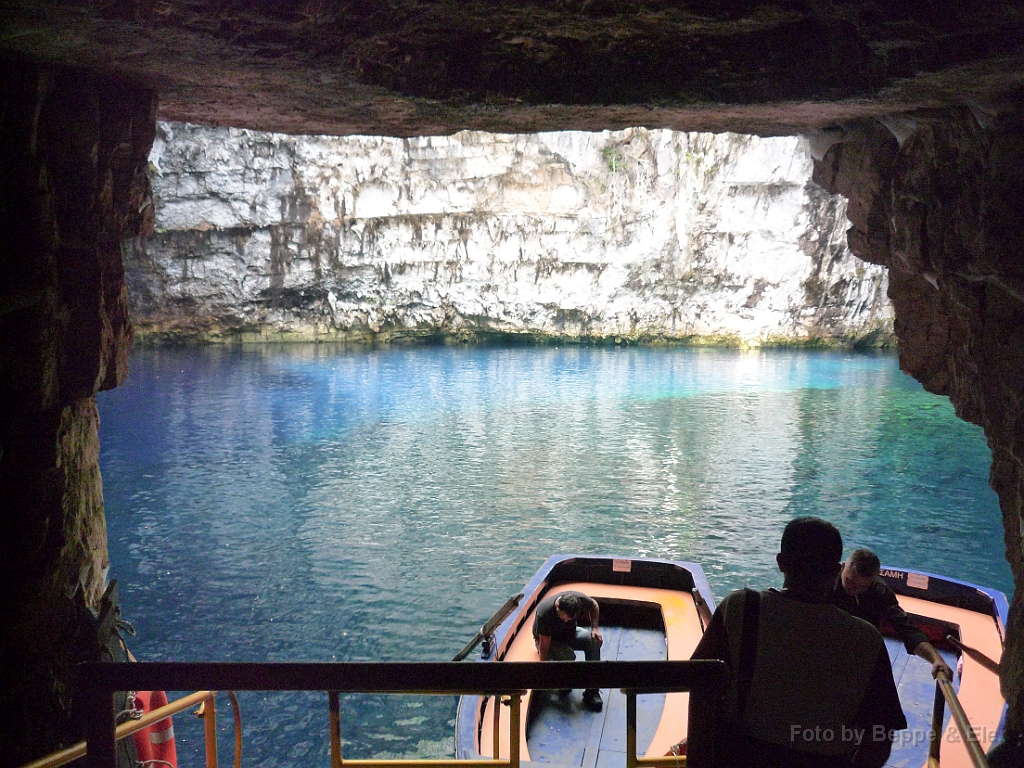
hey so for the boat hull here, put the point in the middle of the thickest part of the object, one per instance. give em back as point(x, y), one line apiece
point(650, 610)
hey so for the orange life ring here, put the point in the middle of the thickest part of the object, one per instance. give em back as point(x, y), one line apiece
point(155, 743)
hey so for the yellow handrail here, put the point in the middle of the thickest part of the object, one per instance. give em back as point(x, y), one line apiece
point(76, 751)
point(210, 730)
point(967, 734)
point(238, 728)
point(705, 680)
point(632, 759)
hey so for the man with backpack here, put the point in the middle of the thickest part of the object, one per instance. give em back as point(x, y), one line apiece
point(810, 685)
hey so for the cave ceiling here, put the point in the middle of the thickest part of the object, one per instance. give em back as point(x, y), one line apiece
point(414, 67)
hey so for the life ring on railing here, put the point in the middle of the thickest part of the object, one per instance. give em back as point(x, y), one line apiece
point(155, 743)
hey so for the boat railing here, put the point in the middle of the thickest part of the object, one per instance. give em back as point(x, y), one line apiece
point(944, 694)
point(205, 699)
point(705, 680)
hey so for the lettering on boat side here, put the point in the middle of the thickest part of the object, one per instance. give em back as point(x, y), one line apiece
point(893, 574)
point(917, 580)
point(622, 565)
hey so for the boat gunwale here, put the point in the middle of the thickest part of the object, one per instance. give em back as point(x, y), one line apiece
point(952, 592)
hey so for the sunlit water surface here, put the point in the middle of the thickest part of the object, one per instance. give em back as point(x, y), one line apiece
point(312, 503)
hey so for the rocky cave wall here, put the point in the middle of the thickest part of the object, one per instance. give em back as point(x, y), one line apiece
point(648, 235)
point(939, 206)
point(73, 149)
point(934, 196)
point(938, 203)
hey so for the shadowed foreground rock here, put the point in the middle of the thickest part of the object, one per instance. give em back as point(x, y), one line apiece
point(416, 67)
point(74, 152)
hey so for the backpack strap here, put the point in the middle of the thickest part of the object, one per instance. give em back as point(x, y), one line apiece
point(748, 647)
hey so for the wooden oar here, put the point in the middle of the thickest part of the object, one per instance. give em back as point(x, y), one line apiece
point(974, 653)
point(489, 626)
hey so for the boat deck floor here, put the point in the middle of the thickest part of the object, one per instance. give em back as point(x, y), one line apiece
point(978, 690)
point(562, 731)
point(913, 676)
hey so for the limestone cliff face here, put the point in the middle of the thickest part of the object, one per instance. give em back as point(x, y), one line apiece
point(629, 235)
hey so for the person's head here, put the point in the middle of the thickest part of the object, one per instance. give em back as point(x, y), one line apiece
point(569, 605)
point(810, 553)
point(860, 571)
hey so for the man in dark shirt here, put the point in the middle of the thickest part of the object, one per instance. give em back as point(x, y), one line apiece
point(861, 592)
point(557, 635)
point(810, 685)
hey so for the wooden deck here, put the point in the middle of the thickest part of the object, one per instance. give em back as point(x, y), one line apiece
point(566, 733)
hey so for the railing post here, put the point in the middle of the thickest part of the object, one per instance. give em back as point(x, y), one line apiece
point(513, 729)
point(100, 728)
point(631, 756)
point(938, 715)
point(238, 727)
point(210, 730)
point(496, 728)
point(335, 707)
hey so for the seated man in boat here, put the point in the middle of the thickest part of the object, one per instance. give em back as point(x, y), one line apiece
point(861, 593)
point(557, 635)
point(810, 685)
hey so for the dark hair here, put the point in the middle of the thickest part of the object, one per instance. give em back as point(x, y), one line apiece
point(865, 563)
point(571, 605)
point(811, 549)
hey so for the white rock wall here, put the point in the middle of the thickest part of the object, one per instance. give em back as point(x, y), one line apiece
point(637, 234)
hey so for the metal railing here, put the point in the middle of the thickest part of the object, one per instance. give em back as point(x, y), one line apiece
point(944, 694)
point(124, 730)
point(705, 680)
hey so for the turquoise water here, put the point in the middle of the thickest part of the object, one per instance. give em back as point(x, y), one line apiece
point(312, 503)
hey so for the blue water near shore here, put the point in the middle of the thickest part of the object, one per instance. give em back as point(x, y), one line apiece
point(310, 503)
